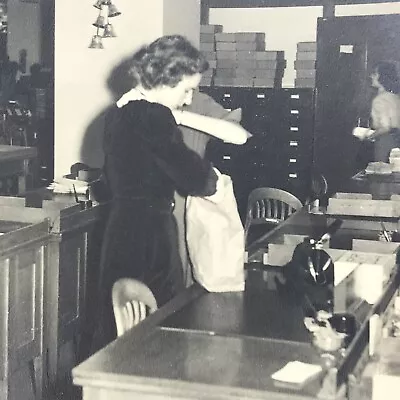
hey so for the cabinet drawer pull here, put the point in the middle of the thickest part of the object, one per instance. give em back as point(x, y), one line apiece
point(293, 143)
point(292, 160)
point(294, 128)
point(260, 96)
point(294, 96)
point(292, 175)
point(294, 111)
point(227, 157)
point(227, 95)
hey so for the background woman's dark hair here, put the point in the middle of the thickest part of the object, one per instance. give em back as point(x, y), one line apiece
point(165, 61)
point(388, 76)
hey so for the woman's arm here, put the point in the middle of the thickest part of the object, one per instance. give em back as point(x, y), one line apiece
point(225, 130)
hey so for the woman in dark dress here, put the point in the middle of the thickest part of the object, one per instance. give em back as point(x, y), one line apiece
point(146, 161)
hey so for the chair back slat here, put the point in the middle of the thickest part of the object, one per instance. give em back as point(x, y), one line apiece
point(266, 205)
point(132, 301)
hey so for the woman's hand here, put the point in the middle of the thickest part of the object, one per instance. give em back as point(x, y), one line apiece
point(132, 95)
point(363, 133)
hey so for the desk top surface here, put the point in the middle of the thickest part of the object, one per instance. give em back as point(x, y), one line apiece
point(187, 361)
point(17, 152)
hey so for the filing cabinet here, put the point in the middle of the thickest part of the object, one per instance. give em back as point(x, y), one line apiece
point(280, 153)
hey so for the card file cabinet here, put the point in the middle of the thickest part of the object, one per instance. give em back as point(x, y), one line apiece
point(280, 153)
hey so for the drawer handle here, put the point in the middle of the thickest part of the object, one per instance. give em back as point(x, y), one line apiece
point(292, 175)
point(294, 111)
point(294, 128)
point(227, 95)
point(292, 160)
point(261, 96)
point(293, 143)
point(226, 157)
point(294, 96)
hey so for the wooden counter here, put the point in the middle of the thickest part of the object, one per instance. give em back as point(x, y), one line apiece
point(69, 229)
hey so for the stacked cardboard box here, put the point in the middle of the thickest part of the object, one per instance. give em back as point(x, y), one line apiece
point(270, 67)
point(305, 64)
point(242, 61)
point(207, 47)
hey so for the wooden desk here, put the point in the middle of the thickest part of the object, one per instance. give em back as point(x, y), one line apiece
point(15, 163)
point(224, 345)
point(153, 361)
point(380, 186)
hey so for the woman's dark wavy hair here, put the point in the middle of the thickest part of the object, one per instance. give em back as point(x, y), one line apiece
point(165, 61)
point(388, 76)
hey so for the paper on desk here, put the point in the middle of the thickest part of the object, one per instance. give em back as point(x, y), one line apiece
point(296, 372)
point(67, 186)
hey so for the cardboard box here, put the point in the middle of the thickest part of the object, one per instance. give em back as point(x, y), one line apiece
point(306, 55)
point(266, 83)
point(207, 38)
point(225, 73)
point(307, 46)
point(243, 82)
point(270, 55)
point(209, 55)
point(246, 64)
point(305, 64)
point(223, 81)
point(363, 207)
point(270, 64)
point(209, 28)
point(305, 73)
point(226, 63)
point(268, 73)
point(250, 37)
point(304, 82)
point(230, 46)
point(206, 81)
point(225, 37)
point(226, 55)
point(207, 46)
point(245, 72)
point(246, 55)
point(255, 46)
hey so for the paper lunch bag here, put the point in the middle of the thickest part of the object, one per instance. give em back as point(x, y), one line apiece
point(215, 239)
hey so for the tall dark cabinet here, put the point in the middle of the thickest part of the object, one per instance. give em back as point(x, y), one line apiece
point(347, 49)
point(280, 152)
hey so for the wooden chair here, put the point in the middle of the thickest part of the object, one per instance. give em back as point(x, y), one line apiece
point(319, 188)
point(132, 301)
point(269, 206)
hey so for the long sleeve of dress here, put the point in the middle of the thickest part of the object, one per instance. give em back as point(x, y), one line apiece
point(150, 129)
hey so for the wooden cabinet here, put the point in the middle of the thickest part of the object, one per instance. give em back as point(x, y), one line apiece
point(61, 304)
point(23, 264)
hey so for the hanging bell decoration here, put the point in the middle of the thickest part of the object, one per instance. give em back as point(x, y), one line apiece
point(113, 10)
point(106, 10)
point(96, 42)
point(109, 31)
point(100, 22)
point(98, 4)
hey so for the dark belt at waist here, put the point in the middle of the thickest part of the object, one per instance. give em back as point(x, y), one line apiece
point(148, 202)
